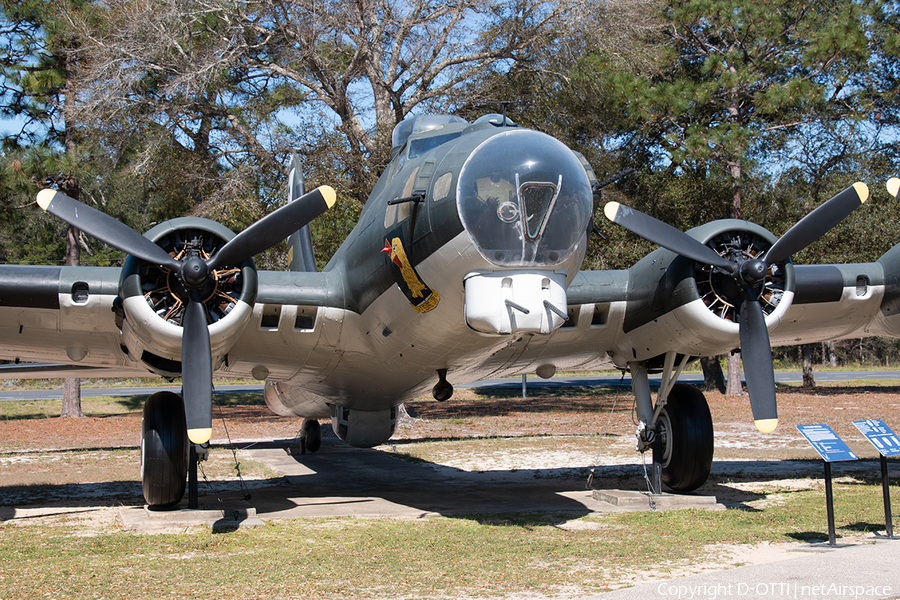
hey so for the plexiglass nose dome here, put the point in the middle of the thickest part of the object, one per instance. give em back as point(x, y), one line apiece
point(525, 199)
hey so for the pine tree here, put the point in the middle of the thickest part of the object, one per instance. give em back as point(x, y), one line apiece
point(733, 72)
point(38, 64)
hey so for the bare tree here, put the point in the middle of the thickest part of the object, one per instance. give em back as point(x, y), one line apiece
point(242, 81)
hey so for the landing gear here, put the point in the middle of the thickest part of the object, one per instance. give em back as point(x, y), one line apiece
point(686, 432)
point(164, 450)
point(679, 426)
point(310, 436)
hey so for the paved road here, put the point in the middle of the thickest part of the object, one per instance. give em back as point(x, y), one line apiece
point(859, 572)
point(510, 384)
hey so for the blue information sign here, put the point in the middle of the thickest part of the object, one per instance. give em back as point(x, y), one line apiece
point(880, 435)
point(827, 443)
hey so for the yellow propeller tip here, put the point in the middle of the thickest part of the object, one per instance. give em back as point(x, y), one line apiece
point(766, 425)
point(862, 190)
point(893, 186)
point(328, 194)
point(610, 210)
point(45, 197)
point(199, 436)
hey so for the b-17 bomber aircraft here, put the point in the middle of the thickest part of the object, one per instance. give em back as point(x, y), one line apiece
point(465, 264)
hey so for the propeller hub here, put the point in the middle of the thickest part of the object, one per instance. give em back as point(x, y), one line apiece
point(194, 273)
point(753, 271)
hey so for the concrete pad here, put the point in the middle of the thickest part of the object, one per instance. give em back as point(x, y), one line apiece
point(343, 481)
point(629, 500)
point(141, 519)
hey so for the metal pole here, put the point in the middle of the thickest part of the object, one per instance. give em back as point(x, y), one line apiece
point(193, 501)
point(829, 504)
point(886, 489)
point(657, 462)
point(524, 386)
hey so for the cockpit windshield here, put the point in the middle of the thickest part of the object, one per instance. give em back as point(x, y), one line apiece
point(525, 199)
point(420, 124)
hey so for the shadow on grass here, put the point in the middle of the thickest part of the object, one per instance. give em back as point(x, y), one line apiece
point(224, 398)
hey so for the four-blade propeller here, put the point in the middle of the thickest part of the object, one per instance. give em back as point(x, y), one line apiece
point(748, 274)
point(195, 274)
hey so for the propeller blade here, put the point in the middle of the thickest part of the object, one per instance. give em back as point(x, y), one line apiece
point(664, 235)
point(196, 373)
point(105, 228)
point(274, 227)
point(817, 223)
point(756, 354)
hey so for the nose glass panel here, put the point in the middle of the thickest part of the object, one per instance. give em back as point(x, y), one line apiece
point(525, 200)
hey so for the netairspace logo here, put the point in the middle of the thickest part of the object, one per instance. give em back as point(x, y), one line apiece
point(771, 590)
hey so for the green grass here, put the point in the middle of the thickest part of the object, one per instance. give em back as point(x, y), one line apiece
point(92, 407)
point(430, 558)
point(101, 406)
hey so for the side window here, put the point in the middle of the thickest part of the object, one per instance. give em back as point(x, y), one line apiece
point(442, 186)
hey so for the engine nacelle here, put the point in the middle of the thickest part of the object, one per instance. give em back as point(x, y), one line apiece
point(678, 305)
point(152, 301)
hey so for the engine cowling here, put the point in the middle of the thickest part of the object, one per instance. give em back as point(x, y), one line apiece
point(679, 305)
point(153, 301)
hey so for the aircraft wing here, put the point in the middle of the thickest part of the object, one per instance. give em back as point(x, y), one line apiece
point(659, 306)
point(61, 315)
point(65, 322)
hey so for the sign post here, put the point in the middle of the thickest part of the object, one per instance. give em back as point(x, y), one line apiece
point(888, 444)
point(831, 448)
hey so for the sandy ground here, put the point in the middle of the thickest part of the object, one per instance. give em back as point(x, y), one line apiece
point(95, 459)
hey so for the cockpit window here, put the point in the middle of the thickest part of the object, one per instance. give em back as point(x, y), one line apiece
point(420, 124)
point(525, 199)
point(420, 146)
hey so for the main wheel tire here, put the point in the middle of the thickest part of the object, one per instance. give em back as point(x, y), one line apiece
point(312, 434)
point(687, 437)
point(164, 450)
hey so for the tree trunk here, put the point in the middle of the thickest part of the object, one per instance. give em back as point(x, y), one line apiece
point(734, 386)
point(71, 387)
point(713, 378)
point(72, 398)
point(806, 352)
point(735, 210)
point(829, 354)
point(71, 406)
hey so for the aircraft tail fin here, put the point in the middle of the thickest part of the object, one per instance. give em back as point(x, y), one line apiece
point(300, 248)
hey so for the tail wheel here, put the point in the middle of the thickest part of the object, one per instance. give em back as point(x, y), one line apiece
point(311, 432)
point(685, 427)
point(164, 450)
